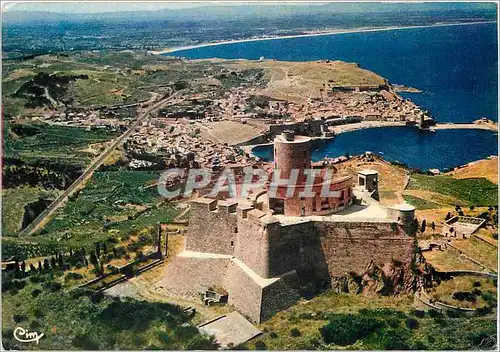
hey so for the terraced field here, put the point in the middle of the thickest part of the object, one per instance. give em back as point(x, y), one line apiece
point(113, 204)
point(43, 142)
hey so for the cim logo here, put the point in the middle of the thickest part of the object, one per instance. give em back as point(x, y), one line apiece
point(23, 335)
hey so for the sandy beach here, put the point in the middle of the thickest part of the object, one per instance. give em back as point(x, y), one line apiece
point(366, 124)
point(312, 34)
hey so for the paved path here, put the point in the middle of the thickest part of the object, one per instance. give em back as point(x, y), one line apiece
point(43, 218)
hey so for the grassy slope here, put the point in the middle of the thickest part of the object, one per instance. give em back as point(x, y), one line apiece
point(483, 168)
point(481, 251)
point(113, 78)
point(75, 323)
point(13, 202)
point(298, 80)
point(449, 261)
point(473, 191)
point(420, 203)
point(309, 317)
point(445, 290)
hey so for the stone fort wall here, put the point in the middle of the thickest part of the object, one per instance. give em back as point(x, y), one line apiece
point(279, 295)
point(263, 262)
point(351, 247)
point(271, 249)
point(211, 229)
point(190, 276)
point(244, 293)
point(252, 245)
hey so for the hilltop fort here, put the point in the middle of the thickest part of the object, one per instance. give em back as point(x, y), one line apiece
point(268, 251)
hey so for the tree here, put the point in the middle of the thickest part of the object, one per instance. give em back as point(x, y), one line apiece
point(61, 262)
point(484, 215)
point(433, 226)
point(424, 224)
point(93, 259)
point(346, 329)
point(412, 323)
point(260, 345)
point(97, 250)
point(32, 269)
point(46, 264)
point(40, 267)
point(104, 248)
point(53, 263)
point(23, 267)
point(415, 224)
point(100, 269)
point(448, 216)
point(179, 85)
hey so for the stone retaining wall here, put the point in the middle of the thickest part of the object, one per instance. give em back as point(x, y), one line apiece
point(468, 273)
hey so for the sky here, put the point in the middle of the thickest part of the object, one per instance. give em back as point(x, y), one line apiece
point(92, 7)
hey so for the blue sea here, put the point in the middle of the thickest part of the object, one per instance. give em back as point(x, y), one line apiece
point(424, 150)
point(456, 67)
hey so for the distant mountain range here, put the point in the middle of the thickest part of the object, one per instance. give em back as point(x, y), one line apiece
point(210, 13)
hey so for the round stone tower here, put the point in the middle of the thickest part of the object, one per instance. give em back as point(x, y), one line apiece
point(292, 152)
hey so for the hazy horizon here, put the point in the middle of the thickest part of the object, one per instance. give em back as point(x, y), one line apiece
point(91, 6)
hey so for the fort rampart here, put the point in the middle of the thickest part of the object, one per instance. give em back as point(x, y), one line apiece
point(263, 263)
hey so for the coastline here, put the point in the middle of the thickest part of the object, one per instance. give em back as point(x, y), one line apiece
point(366, 125)
point(314, 34)
point(439, 126)
point(458, 126)
point(381, 124)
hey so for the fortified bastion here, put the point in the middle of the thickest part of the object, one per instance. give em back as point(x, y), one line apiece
point(265, 260)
